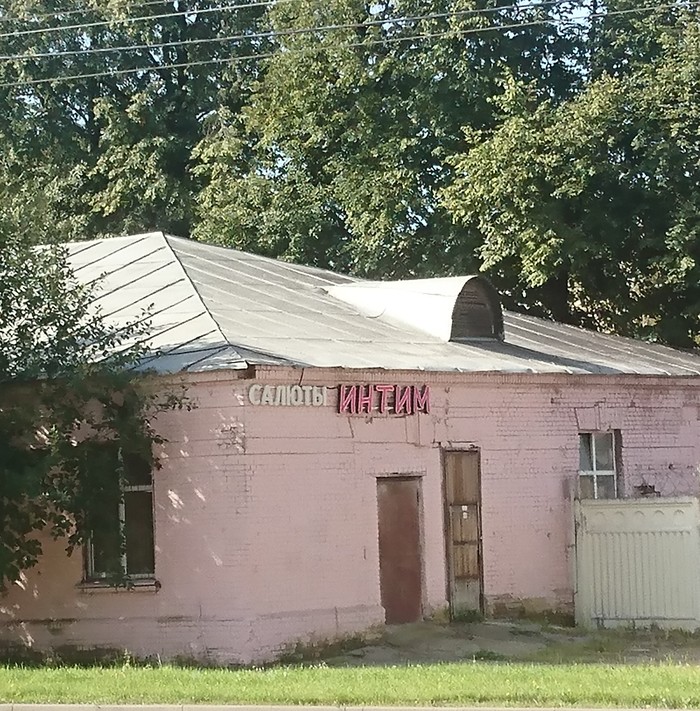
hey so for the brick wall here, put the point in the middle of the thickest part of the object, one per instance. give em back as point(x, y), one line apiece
point(266, 517)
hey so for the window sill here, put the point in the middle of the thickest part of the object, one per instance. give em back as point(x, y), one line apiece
point(133, 586)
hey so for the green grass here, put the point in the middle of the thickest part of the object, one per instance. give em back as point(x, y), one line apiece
point(661, 685)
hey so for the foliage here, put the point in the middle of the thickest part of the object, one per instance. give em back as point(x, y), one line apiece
point(589, 211)
point(368, 137)
point(111, 149)
point(340, 155)
point(65, 387)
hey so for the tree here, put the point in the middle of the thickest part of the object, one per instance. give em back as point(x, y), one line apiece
point(340, 156)
point(393, 138)
point(624, 35)
point(589, 211)
point(101, 104)
point(66, 388)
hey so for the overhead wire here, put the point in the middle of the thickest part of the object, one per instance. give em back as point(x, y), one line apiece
point(390, 40)
point(193, 11)
point(129, 20)
point(37, 16)
point(274, 33)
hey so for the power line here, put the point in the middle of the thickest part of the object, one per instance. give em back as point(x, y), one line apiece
point(274, 33)
point(84, 11)
point(231, 60)
point(129, 20)
point(390, 40)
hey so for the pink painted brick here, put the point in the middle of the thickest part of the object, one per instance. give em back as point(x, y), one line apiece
point(266, 517)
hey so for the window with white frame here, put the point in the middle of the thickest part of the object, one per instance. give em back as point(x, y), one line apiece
point(598, 476)
point(124, 545)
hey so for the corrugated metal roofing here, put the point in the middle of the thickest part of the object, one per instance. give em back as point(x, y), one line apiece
point(213, 308)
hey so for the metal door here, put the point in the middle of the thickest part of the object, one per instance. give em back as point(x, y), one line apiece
point(399, 549)
point(463, 532)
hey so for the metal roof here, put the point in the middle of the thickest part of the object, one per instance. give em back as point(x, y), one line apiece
point(215, 308)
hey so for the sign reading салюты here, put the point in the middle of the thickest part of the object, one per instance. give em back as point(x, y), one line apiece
point(296, 395)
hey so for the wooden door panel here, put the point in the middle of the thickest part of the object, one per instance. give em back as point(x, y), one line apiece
point(463, 531)
point(466, 561)
point(465, 523)
point(462, 480)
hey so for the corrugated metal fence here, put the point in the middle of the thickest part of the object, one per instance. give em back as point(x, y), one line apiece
point(638, 562)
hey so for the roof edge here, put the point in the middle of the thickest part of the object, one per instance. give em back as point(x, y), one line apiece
point(205, 307)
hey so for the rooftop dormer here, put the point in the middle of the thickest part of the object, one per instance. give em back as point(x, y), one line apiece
point(449, 308)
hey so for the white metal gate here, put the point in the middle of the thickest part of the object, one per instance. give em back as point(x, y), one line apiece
point(638, 562)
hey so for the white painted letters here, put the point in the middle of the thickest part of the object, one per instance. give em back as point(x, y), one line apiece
point(319, 396)
point(254, 394)
point(288, 395)
point(267, 396)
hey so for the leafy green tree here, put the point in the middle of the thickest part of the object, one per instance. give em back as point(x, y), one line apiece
point(589, 211)
point(101, 104)
point(625, 34)
point(340, 155)
point(533, 140)
point(66, 387)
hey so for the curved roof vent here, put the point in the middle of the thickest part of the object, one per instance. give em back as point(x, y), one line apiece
point(450, 308)
point(477, 312)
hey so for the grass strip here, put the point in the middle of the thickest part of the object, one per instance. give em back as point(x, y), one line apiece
point(659, 685)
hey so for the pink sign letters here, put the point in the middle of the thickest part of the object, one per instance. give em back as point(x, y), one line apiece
point(384, 399)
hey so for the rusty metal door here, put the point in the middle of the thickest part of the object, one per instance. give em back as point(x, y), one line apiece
point(463, 532)
point(400, 569)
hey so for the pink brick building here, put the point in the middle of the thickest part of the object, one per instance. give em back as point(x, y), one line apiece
point(359, 453)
